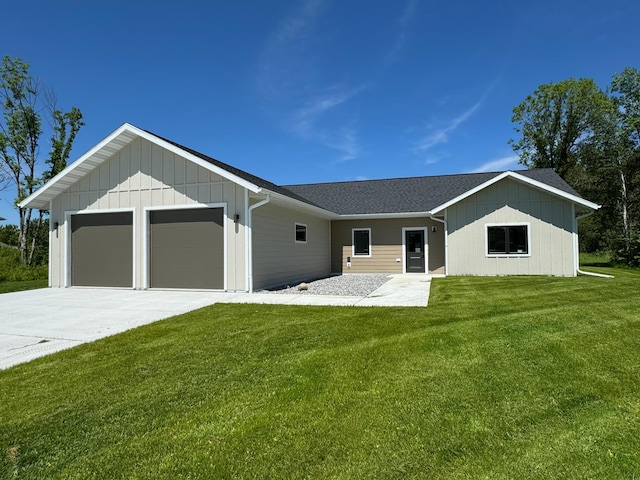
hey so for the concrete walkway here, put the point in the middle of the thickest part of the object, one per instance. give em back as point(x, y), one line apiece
point(35, 323)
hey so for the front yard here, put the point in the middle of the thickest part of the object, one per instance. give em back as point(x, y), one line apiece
point(515, 377)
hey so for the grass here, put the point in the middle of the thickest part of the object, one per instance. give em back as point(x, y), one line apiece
point(503, 377)
point(17, 286)
point(595, 259)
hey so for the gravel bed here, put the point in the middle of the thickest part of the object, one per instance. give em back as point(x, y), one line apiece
point(353, 284)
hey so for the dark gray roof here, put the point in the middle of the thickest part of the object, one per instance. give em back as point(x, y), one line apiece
point(393, 195)
point(257, 181)
point(413, 194)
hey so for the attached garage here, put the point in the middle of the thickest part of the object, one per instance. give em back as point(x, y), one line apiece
point(187, 248)
point(102, 249)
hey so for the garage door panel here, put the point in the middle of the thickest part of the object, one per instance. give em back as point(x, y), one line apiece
point(187, 248)
point(102, 249)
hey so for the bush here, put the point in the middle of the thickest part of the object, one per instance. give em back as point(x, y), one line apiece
point(13, 270)
point(629, 257)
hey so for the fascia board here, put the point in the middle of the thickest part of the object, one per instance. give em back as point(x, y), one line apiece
point(382, 216)
point(123, 129)
point(203, 163)
point(73, 166)
point(523, 179)
point(299, 204)
point(555, 191)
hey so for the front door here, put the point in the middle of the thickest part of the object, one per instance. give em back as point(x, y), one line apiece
point(415, 255)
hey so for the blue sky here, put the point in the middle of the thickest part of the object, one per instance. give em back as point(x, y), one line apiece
point(303, 91)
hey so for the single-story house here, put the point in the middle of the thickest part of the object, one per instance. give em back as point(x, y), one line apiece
point(141, 211)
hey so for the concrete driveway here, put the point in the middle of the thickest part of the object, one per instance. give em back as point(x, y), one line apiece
point(38, 322)
point(35, 323)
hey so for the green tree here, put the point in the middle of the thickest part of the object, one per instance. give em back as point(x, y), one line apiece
point(591, 138)
point(22, 100)
point(625, 89)
point(556, 121)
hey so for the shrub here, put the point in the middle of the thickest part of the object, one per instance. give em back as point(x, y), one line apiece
point(13, 270)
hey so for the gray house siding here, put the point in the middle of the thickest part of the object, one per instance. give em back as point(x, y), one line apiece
point(140, 176)
point(550, 227)
point(277, 257)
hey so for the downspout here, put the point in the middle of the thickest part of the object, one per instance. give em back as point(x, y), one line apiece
point(576, 250)
point(249, 246)
point(446, 241)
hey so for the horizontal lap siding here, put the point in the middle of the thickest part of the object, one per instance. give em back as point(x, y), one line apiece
point(141, 175)
point(550, 231)
point(277, 258)
point(386, 245)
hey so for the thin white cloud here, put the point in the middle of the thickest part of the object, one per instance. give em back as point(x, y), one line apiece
point(282, 63)
point(403, 25)
point(288, 78)
point(499, 164)
point(441, 135)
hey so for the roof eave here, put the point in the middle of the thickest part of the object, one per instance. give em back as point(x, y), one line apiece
point(382, 216)
point(516, 176)
point(299, 204)
point(102, 152)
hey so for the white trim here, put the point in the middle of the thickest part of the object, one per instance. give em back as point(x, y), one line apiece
point(353, 243)
point(523, 179)
point(295, 233)
point(247, 239)
point(50, 247)
point(425, 239)
point(127, 130)
point(576, 254)
point(67, 239)
point(446, 239)
point(146, 234)
point(382, 216)
point(266, 200)
point(507, 255)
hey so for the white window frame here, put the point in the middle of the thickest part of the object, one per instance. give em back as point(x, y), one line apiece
point(353, 243)
point(295, 233)
point(507, 255)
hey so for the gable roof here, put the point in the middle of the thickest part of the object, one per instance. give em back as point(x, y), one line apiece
point(124, 135)
point(425, 195)
point(422, 194)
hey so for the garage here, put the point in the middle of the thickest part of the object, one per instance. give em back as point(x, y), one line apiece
point(186, 248)
point(102, 249)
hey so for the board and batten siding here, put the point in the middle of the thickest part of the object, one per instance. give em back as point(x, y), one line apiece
point(277, 258)
point(386, 245)
point(143, 174)
point(550, 221)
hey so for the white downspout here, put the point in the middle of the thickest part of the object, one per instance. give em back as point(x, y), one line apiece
point(576, 250)
point(446, 242)
point(249, 240)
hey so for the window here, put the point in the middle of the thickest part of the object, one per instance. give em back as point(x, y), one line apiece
point(301, 233)
point(507, 240)
point(361, 242)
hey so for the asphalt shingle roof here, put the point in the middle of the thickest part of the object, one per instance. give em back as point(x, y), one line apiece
point(393, 195)
point(413, 194)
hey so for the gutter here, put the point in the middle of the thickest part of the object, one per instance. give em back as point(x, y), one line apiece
point(576, 251)
point(249, 240)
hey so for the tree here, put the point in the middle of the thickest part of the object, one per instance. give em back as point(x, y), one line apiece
point(625, 89)
point(591, 138)
point(555, 121)
point(22, 101)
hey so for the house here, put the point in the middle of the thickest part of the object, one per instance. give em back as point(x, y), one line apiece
point(141, 211)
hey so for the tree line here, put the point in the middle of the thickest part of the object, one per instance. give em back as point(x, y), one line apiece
point(589, 135)
point(28, 109)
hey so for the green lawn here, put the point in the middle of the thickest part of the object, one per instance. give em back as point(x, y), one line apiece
point(516, 377)
point(7, 287)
